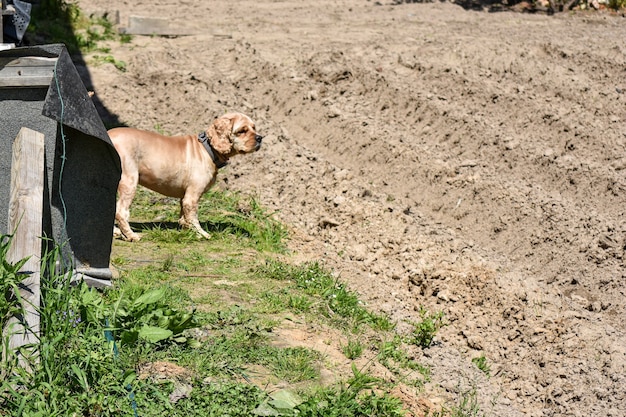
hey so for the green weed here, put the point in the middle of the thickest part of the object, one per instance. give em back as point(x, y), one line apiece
point(425, 330)
point(392, 355)
point(76, 371)
point(481, 363)
point(109, 59)
point(10, 279)
point(294, 364)
point(353, 349)
point(468, 405)
point(357, 397)
point(381, 322)
point(299, 303)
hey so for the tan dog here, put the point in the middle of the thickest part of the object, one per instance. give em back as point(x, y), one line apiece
point(183, 167)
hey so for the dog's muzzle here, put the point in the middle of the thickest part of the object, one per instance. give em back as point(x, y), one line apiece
point(258, 139)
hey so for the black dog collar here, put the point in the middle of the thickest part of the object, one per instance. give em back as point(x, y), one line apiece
point(203, 138)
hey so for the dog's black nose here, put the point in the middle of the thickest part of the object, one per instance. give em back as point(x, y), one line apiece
point(258, 138)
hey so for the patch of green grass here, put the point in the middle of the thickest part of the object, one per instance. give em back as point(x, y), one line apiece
point(167, 233)
point(337, 303)
point(353, 349)
point(468, 405)
point(10, 279)
point(381, 322)
point(481, 363)
point(299, 303)
point(225, 215)
point(76, 369)
point(272, 302)
point(149, 275)
point(425, 330)
point(294, 364)
point(392, 355)
point(232, 214)
point(210, 399)
point(357, 397)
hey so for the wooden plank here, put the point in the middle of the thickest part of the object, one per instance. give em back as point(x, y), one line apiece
point(25, 220)
point(26, 71)
point(139, 25)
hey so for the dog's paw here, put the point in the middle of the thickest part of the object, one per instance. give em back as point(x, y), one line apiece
point(132, 237)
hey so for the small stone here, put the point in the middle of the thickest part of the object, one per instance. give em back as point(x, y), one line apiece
point(327, 223)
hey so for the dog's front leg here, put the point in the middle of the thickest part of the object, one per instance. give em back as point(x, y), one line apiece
point(126, 192)
point(189, 215)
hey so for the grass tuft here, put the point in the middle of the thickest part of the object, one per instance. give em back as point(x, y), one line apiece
point(481, 363)
point(337, 302)
point(425, 330)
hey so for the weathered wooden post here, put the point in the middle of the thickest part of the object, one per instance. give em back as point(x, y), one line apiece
point(25, 222)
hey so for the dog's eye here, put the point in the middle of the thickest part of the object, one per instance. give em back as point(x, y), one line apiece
point(242, 131)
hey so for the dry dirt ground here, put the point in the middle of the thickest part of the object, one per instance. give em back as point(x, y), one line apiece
point(469, 162)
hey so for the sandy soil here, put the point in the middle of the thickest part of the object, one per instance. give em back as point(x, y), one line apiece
point(466, 161)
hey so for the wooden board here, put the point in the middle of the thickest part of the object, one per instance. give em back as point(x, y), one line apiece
point(25, 222)
point(139, 25)
point(26, 71)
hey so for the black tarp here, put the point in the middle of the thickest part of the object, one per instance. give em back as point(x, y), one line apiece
point(82, 166)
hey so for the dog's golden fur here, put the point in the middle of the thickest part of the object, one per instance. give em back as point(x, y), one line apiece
point(177, 166)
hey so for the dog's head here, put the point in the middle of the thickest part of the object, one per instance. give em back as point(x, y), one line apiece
point(234, 133)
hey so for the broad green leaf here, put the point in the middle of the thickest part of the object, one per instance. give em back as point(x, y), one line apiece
point(285, 399)
point(149, 297)
point(164, 322)
point(154, 334)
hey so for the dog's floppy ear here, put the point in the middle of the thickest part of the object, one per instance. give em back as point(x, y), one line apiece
point(220, 134)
